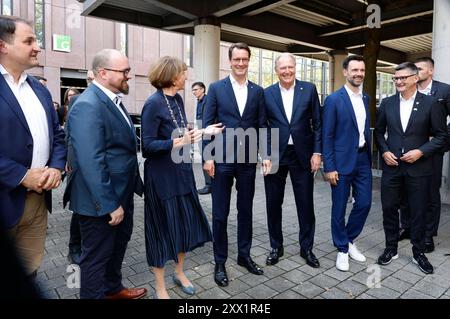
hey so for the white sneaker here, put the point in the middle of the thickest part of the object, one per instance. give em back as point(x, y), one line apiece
point(342, 261)
point(355, 254)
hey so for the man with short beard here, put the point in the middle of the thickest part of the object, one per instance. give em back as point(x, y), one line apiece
point(104, 177)
point(347, 158)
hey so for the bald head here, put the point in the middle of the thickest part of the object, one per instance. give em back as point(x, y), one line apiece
point(112, 70)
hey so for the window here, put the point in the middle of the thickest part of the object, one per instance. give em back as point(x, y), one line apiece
point(188, 52)
point(39, 22)
point(6, 7)
point(123, 44)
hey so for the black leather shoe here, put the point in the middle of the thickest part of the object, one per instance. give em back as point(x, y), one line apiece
point(205, 190)
point(310, 258)
point(220, 275)
point(387, 256)
point(250, 265)
point(404, 233)
point(274, 255)
point(429, 245)
point(424, 265)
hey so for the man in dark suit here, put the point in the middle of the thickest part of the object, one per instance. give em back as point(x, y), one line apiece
point(440, 92)
point(347, 158)
point(293, 108)
point(239, 105)
point(199, 91)
point(104, 177)
point(32, 150)
point(409, 118)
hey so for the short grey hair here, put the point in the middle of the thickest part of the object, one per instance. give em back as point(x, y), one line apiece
point(103, 59)
point(285, 54)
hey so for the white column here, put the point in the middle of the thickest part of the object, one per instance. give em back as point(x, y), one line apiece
point(206, 53)
point(440, 51)
point(337, 79)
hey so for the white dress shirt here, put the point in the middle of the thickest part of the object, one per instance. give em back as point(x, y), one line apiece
point(35, 116)
point(287, 95)
point(406, 107)
point(360, 112)
point(114, 97)
point(240, 92)
point(427, 90)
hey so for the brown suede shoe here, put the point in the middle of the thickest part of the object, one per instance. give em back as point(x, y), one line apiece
point(129, 293)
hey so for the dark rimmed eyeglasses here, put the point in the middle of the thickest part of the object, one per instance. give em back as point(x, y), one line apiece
point(124, 72)
point(402, 78)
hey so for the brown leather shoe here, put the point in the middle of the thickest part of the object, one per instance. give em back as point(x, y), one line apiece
point(129, 293)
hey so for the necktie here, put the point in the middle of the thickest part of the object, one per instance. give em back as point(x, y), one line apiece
point(118, 102)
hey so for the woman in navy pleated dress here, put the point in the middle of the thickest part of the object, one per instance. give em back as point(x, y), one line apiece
point(174, 219)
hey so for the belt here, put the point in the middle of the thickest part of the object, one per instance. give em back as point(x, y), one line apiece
point(362, 148)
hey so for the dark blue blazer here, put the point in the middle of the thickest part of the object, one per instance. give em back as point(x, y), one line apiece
point(427, 119)
point(340, 135)
point(200, 110)
point(221, 107)
point(441, 92)
point(104, 165)
point(167, 177)
point(16, 149)
point(305, 125)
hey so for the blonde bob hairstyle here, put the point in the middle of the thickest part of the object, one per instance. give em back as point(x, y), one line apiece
point(165, 71)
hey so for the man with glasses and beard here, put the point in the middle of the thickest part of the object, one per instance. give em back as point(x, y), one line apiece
point(104, 177)
point(409, 118)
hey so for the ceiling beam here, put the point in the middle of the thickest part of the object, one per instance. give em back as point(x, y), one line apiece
point(128, 16)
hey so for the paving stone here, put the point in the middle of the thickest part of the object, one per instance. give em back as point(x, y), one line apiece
point(261, 292)
point(336, 293)
point(428, 288)
point(308, 289)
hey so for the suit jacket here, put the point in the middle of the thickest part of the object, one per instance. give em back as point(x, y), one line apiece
point(169, 179)
point(305, 125)
point(16, 149)
point(200, 110)
point(221, 107)
point(427, 119)
point(441, 92)
point(340, 135)
point(104, 165)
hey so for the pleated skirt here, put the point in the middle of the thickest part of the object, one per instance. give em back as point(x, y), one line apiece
point(173, 226)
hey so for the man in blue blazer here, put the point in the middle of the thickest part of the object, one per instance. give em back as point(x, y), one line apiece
point(347, 159)
point(239, 105)
point(293, 108)
point(32, 149)
point(409, 118)
point(104, 177)
point(440, 92)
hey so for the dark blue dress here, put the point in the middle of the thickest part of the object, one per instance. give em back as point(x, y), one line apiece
point(174, 219)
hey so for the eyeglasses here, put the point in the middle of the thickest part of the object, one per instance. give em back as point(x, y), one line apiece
point(124, 72)
point(243, 61)
point(402, 78)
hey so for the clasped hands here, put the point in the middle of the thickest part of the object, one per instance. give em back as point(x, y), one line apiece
point(409, 157)
point(40, 179)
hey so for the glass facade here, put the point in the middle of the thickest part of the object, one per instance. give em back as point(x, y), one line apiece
point(6, 7)
point(39, 26)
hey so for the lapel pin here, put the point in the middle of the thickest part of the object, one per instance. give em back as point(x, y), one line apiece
point(301, 88)
point(414, 109)
point(417, 103)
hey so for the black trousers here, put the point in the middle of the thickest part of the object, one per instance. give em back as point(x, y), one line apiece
point(75, 234)
point(103, 250)
point(417, 190)
point(433, 212)
point(303, 184)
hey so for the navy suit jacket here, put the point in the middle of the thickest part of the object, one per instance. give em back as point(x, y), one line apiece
point(221, 107)
point(104, 165)
point(305, 125)
point(427, 119)
point(340, 135)
point(441, 92)
point(16, 149)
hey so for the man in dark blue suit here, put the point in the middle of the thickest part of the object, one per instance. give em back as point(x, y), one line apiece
point(347, 158)
point(239, 105)
point(104, 177)
point(293, 108)
point(440, 92)
point(32, 149)
point(409, 118)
